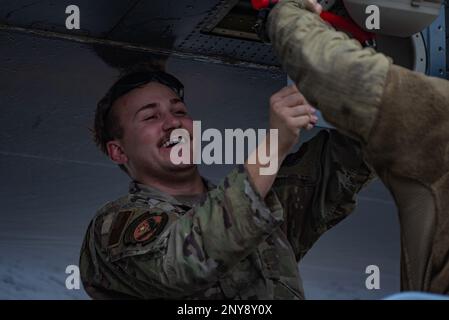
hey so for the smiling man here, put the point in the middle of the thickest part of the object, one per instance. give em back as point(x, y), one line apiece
point(177, 236)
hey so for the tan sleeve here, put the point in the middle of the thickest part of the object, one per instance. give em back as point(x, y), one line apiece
point(401, 116)
point(411, 133)
point(334, 72)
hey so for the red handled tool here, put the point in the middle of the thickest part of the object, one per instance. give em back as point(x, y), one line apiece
point(263, 4)
point(347, 25)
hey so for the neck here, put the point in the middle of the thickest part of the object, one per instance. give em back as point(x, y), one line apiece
point(176, 184)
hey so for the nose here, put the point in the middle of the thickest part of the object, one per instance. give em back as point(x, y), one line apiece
point(170, 122)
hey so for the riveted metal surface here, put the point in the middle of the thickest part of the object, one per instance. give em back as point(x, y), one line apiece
point(97, 17)
point(435, 37)
point(245, 50)
point(179, 27)
point(447, 36)
point(173, 25)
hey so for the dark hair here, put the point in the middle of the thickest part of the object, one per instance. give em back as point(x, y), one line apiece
point(107, 125)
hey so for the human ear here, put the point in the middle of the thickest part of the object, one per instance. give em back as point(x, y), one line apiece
point(116, 152)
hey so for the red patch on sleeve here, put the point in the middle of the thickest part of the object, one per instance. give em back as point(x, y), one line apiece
point(146, 228)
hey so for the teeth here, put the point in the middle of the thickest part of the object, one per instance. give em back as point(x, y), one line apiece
point(172, 142)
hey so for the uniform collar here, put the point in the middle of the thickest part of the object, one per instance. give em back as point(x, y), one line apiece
point(136, 188)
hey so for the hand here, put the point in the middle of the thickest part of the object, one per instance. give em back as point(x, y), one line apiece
point(289, 113)
point(313, 6)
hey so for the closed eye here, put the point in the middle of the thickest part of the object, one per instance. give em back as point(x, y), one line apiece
point(149, 118)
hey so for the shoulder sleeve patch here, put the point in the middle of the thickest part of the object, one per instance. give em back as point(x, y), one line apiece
point(118, 226)
point(140, 233)
point(145, 228)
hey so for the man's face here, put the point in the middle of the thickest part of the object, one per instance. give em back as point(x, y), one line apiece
point(148, 115)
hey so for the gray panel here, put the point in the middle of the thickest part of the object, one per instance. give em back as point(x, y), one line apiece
point(401, 18)
point(198, 41)
point(435, 37)
point(370, 236)
point(97, 17)
point(447, 39)
point(160, 23)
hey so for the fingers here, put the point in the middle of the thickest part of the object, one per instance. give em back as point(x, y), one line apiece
point(302, 122)
point(289, 104)
point(302, 110)
point(301, 117)
point(291, 100)
point(314, 6)
point(284, 92)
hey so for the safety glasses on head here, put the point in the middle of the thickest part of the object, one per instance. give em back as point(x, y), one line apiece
point(138, 79)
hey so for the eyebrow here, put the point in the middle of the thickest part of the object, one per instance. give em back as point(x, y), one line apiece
point(175, 100)
point(147, 106)
point(154, 105)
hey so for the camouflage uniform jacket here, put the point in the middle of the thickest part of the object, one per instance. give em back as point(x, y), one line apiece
point(231, 244)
